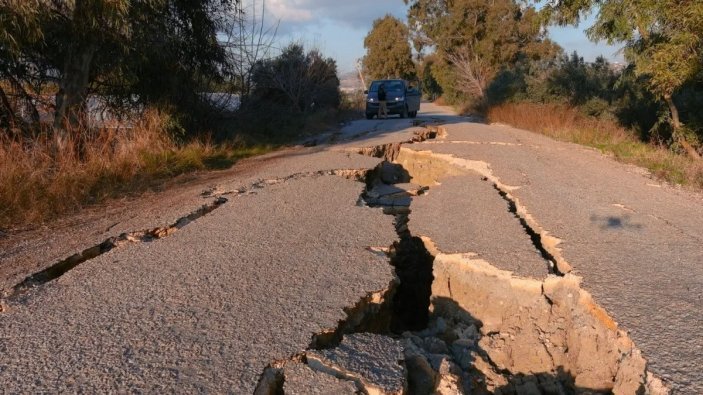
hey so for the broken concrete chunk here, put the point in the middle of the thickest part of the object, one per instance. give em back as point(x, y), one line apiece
point(299, 379)
point(373, 362)
point(412, 189)
point(421, 377)
point(449, 384)
point(461, 351)
point(466, 331)
point(411, 347)
point(436, 327)
point(436, 360)
point(534, 327)
point(391, 201)
point(402, 189)
point(434, 345)
point(384, 190)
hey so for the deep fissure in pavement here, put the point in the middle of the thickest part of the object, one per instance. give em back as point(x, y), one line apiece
point(271, 380)
point(404, 305)
point(61, 267)
point(411, 303)
point(535, 237)
point(411, 260)
point(490, 331)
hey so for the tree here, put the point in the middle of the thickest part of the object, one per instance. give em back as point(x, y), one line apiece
point(663, 38)
point(20, 28)
point(135, 53)
point(87, 27)
point(302, 82)
point(388, 53)
point(430, 86)
point(247, 39)
point(476, 39)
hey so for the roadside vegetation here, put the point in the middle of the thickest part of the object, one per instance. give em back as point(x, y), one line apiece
point(103, 99)
point(647, 112)
point(388, 51)
point(570, 124)
point(42, 180)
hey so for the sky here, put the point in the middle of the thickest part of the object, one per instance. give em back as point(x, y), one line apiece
point(338, 28)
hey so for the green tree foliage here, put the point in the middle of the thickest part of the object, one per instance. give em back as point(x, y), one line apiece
point(664, 41)
point(581, 82)
point(302, 82)
point(430, 86)
point(20, 30)
point(388, 50)
point(290, 91)
point(475, 39)
point(134, 52)
point(596, 88)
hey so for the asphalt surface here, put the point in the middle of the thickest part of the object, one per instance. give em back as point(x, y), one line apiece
point(208, 308)
point(637, 242)
point(466, 214)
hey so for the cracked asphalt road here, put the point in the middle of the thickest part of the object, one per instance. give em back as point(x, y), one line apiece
point(635, 241)
point(206, 309)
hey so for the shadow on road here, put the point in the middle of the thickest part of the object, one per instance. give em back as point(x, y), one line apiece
point(612, 222)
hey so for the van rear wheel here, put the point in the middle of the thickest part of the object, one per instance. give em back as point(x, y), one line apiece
point(404, 114)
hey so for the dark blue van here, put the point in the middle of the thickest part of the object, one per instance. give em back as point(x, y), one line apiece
point(401, 98)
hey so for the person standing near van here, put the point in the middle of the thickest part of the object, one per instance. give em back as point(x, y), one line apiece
point(382, 108)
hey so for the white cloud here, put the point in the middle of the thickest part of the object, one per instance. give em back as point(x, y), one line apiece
point(357, 14)
point(290, 10)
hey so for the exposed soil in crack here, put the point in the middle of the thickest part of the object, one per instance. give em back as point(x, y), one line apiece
point(547, 336)
point(447, 165)
point(477, 329)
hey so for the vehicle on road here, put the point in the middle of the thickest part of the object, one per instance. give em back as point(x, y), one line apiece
point(402, 98)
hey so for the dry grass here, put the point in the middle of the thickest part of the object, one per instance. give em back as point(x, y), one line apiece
point(40, 179)
point(568, 124)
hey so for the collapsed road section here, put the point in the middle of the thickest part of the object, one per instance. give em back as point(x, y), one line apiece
point(455, 323)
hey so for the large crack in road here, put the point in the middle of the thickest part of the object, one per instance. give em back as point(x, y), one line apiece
point(461, 324)
point(449, 323)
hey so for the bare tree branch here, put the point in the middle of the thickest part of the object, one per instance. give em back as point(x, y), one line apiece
point(472, 74)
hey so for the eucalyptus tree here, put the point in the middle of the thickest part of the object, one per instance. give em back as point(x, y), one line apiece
point(20, 30)
point(663, 39)
point(131, 51)
point(388, 52)
point(475, 39)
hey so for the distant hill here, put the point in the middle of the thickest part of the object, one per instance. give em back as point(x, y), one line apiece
point(350, 81)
